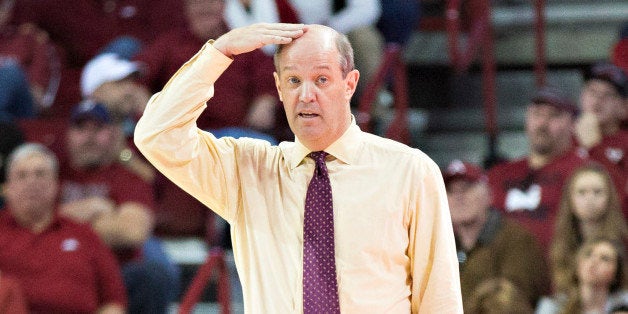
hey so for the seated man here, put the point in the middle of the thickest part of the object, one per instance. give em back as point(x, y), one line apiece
point(527, 189)
point(63, 266)
point(98, 190)
point(488, 244)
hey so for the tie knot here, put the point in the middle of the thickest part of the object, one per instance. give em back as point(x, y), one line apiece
point(319, 157)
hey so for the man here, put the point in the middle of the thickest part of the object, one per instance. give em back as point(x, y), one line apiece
point(528, 189)
point(392, 248)
point(489, 245)
point(97, 190)
point(62, 266)
point(604, 101)
point(28, 76)
point(111, 80)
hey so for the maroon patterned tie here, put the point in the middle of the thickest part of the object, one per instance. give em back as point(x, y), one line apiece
point(320, 288)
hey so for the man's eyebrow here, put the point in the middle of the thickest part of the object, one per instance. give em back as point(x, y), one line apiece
point(321, 67)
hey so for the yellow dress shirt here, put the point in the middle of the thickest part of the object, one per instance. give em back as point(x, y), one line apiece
point(395, 250)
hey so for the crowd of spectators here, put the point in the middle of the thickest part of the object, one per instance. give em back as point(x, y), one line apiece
point(75, 77)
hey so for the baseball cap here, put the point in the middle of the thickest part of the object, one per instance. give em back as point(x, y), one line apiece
point(553, 96)
point(90, 110)
point(458, 169)
point(610, 73)
point(106, 67)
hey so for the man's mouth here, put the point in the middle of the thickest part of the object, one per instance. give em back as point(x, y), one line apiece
point(307, 115)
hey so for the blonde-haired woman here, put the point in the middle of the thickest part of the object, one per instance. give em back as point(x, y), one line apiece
point(589, 208)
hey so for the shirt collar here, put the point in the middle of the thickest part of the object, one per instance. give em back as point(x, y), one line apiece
point(345, 148)
point(5, 213)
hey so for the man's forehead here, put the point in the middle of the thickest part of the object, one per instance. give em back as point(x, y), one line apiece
point(32, 161)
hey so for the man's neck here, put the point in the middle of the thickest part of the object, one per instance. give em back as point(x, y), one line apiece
point(538, 161)
point(469, 232)
point(36, 223)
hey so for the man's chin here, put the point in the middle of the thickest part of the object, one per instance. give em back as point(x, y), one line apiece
point(91, 163)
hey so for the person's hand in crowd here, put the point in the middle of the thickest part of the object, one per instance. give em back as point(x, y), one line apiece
point(587, 130)
point(249, 38)
point(88, 209)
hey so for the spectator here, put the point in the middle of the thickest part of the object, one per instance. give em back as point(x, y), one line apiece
point(23, 66)
point(64, 266)
point(30, 67)
point(489, 245)
point(498, 296)
point(240, 13)
point(112, 80)
point(603, 100)
point(528, 189)
point(589, 208)
point(598, 281)
point(84, 28)
point(118, 204)
point(247, 104)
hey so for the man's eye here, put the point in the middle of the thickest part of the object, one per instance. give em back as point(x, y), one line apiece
point(293, 80)
point(322, 80)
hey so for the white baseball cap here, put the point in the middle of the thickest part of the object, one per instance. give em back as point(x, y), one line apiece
point(106, 67)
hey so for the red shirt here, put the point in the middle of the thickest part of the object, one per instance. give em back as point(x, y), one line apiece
point(612, 153)
point(531, 197)
point(34, 54)
point(84, 27)
point(64, 269)
point(250, 75)
point(113, 182)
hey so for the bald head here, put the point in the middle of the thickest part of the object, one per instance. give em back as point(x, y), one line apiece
point(327, 39)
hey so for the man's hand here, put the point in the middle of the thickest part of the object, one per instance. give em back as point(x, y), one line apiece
point(587, 130)
point(87, 210)
point(248, 38)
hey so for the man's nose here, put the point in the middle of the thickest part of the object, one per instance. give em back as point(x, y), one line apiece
point(307, 93)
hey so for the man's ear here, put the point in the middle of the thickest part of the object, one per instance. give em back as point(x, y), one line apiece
point(277, 85)
point(352, 82)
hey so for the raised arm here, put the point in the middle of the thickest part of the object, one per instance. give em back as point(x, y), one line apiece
point(249, 38)
point(167, 134)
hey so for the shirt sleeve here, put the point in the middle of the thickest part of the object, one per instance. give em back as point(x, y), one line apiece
point(432, 249)
point(167, 135)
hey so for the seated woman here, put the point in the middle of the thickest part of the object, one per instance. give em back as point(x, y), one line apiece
point(589, 208)
point(598, 281)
